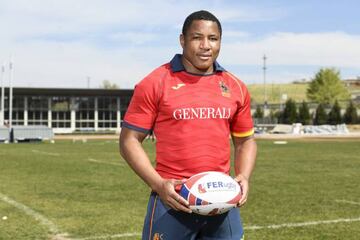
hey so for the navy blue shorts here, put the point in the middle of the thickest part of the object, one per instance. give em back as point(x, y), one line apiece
point(164, 223)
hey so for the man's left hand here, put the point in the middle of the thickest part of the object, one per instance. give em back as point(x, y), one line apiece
point(244, 184)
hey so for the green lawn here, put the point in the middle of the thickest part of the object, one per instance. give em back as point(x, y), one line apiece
point(86, 190)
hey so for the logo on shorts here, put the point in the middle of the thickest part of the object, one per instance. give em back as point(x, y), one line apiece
point(158, 236)
point(225, 91)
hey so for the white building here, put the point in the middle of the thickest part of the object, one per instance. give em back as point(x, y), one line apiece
point(68, 110)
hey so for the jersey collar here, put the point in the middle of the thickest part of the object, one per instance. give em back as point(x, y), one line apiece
point(177, 66)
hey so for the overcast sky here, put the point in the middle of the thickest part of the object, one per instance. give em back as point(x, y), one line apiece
point(65, 43)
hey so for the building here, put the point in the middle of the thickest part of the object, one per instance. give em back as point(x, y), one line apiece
point(68, 110)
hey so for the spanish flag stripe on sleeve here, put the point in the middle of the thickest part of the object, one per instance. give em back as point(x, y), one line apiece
point(243, 134)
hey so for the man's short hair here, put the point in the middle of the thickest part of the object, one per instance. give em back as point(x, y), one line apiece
point(200, 15)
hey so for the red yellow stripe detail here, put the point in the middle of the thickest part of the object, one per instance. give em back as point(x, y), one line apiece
point(243, 134)
point(152, 216)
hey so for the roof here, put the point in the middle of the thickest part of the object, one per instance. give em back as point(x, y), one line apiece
point(19, 91)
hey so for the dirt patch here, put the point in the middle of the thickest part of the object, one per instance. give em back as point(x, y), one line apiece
point(353, 127)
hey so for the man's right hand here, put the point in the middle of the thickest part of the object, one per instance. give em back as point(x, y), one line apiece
point(167, 193)
point(132, 151)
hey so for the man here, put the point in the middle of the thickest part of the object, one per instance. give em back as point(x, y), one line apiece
point(193, 105)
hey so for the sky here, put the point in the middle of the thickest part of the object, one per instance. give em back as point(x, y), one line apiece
point(79, 44)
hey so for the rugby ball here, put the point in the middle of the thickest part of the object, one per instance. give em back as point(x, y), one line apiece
point(211, 193)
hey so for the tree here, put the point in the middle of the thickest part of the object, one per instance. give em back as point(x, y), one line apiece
point(326, 87)
point(304, 114)
point(350, 116)
point(320, 115)
point(278, 116)
point(335, 114)
point(273, 116)
point(106, 84)
point(259, 113)
point(289, 114)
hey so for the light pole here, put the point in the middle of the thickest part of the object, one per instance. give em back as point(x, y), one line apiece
point(264, 72)
point(2, 115)
point(11, 75)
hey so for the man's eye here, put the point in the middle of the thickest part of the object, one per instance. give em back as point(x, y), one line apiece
point(213, 39)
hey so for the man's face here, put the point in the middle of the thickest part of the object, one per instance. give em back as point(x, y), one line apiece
point(201, 46)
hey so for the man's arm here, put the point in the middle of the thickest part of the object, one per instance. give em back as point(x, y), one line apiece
point(244, 162)
point(132, 151)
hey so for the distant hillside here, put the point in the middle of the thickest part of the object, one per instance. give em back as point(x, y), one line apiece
point(296, 91)
point(274, 92)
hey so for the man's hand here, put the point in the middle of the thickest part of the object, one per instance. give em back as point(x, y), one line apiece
point(244, 184)
point(244, 162)
point(132, 151)
point(170, 197)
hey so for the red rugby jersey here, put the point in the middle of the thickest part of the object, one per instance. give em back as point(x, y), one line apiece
point(192, 117)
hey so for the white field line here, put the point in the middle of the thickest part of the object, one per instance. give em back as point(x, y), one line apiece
point(110, 236)
point(53, 229)
point(303, 224)
point(103, 162)
point(85, 140)
point(285, 225)
point(46, 153)
point(346, 201)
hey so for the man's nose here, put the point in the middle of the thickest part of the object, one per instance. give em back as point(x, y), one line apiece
point(205, 44)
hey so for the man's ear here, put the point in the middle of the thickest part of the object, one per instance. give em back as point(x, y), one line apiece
point(182, 40)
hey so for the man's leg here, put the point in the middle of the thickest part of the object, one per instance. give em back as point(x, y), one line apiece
point(163, 223)
point(225, 226)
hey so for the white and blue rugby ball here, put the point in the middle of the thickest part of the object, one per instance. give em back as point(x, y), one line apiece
point(211, 193)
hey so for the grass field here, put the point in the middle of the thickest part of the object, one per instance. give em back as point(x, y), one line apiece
point(300, 190)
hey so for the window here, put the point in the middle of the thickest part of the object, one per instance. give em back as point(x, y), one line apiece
point(107, 109)
point(85, 112)
point(60, 112)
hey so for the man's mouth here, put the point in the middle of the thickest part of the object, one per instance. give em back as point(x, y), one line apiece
point(204, 57)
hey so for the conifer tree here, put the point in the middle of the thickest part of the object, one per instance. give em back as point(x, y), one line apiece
point(289, 114)
point(259, 113)
point(320, 115)
point(304, 114)
point(350, 116)
point(335, 114)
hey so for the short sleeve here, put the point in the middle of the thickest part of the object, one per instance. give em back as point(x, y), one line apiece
point(143, 107)
point(242, 123)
